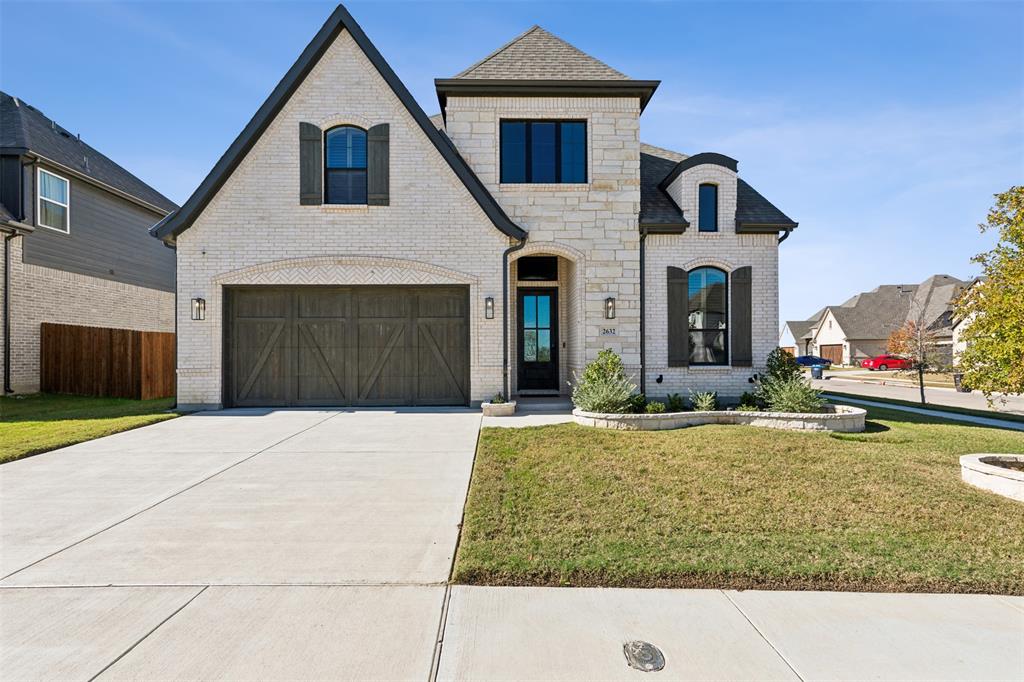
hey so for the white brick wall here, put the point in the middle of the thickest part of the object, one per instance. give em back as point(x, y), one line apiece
point(728, 251)
point(40, 294)
point(432, 232)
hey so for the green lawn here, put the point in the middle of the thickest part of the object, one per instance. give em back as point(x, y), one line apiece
point(742, 507)
point(41, 422)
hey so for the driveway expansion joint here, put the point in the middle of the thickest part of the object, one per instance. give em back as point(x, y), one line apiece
point(767, 641)
point(145, 636)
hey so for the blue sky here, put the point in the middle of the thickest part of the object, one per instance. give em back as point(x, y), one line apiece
point(883, 128)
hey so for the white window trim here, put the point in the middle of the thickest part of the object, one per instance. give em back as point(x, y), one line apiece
point(40, 199)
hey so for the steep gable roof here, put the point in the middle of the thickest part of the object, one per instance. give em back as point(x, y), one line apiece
point(536, 54)
point(340, 20)
point(657, 209)
point(25, 129)
point(801, 329)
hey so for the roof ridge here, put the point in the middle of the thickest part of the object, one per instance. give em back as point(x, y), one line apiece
point(495, 53)
point(575, 52)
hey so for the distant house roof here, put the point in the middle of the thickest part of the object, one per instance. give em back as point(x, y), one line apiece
point(26, 130)
point(877, 313)
point(340, 20)
point(536, 54)
point(801, 329)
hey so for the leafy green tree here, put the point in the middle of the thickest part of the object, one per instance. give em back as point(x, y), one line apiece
point(993, 309)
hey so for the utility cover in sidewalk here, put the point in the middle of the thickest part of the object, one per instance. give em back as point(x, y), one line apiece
point(643, 656)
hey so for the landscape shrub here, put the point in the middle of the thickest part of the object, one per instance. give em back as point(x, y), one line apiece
point(674, 402)
point(638, 403)
point(498, 399)
point(706, 401)
point(603, 386)
point(749, 401)
point(794, 394)
point(655, 407)
point(781, 365)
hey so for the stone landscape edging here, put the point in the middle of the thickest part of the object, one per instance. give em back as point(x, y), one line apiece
point(975, 471)
point(839, 418)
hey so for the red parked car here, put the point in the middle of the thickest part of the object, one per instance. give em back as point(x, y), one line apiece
point(884, 362)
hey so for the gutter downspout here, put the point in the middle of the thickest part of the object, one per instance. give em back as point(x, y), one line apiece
point(643, 345)
point(785, 236)
point(504, 312)
point(7, 311)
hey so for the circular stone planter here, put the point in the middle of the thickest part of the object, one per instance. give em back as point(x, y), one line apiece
point(499, 409)
point(983, 471)
point(844, 418)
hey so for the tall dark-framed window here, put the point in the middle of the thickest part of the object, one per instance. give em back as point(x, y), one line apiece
point(708, 316)
point(543, 152)
point(345, 165)
point(707, 208)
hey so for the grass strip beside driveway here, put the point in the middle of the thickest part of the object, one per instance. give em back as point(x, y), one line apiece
point(41, 422)
point(742, 507)
point(990, 414)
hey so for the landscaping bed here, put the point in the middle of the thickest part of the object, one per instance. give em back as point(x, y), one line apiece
point(37, 423)
point(739, 507)
point(842, 418)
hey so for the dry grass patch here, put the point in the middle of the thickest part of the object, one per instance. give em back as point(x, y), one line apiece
point(742, 507)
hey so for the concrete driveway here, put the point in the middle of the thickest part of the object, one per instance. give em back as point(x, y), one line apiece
point(327, 526)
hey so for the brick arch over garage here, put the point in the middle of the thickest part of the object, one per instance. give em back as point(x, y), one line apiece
point(345, 270)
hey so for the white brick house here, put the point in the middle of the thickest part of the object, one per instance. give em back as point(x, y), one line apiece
point(347, 249)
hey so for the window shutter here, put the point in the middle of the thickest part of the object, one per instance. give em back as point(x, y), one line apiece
point(378, 172)
point(741, 321)
point(678, 318)
point(311, 192)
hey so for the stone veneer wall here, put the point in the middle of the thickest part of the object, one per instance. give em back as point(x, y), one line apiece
point(597, 219)
point(40, 294)
point(432, 231)
point(724, 249)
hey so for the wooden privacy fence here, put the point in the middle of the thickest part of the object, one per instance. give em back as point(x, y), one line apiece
point(100, 361)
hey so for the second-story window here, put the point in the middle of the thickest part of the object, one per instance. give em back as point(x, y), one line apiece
point(345, 165)
point(543, 151)
point(54, 202)
point(707, 209)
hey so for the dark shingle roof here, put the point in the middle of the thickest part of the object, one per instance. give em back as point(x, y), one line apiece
point(24, 127)
point(538, 55)
point(801, 329)
point(877, 313)
point(754, 211)
point(656, 207)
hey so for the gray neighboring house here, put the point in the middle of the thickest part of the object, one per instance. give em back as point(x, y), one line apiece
point(76, 248)
point(860, 327)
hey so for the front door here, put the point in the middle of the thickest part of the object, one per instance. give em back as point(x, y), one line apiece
point(538, 340)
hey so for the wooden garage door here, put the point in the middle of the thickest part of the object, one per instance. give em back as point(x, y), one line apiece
point(832, 352)
point(346, 346)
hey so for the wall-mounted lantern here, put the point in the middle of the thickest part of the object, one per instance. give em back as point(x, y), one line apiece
point(489, 307)
point(198, 309)
point(609, 308)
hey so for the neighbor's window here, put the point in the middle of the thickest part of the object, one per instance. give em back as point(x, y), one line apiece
point(707, 318)
point(53, 208)
point(345, 165)
point(707, 210)
point(543, 151)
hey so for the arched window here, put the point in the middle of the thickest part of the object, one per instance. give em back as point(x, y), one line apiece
point(708, 315)
point(345, 165)
point(707, 208)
